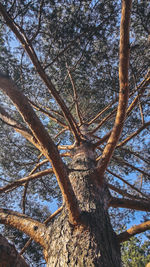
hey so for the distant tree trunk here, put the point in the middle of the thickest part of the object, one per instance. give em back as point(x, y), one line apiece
point(9, 257)
point(93, 243)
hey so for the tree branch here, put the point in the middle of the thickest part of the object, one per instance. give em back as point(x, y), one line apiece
point(124, 90)
point(32, 55)
point(47, 147)
point(133, 134)
point(136, 229)
point(6, 118)
point(129, 204)
point(34, 229)
point(22, 181)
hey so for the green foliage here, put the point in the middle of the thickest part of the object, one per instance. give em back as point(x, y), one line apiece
point(135, 253)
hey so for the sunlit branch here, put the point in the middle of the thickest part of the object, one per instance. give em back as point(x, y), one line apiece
point(102, 140)
point(102, 111)
point(45, 222)
point(61, 132)
point(34, 229)
point(129, 204)
point(124, 88)
point(134, 230)
point(32, 55)
point(22, 181)
point(48, 148)
point(133, 134)
point(127, 183)
point(108, 117)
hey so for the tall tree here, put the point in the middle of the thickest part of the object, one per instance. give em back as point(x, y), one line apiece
point(78, 117)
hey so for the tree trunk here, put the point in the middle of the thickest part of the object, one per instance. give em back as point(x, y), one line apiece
point(93, 242)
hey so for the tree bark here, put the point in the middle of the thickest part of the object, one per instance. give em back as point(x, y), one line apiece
point(9, 256)
point(92, 242)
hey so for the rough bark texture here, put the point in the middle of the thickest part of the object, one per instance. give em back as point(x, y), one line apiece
point(9, 257)
point(93, 242)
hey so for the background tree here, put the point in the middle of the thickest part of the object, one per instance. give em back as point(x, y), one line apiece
point(63, 57)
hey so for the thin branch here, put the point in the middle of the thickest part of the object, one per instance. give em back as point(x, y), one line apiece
point(129, 204)
point(124, 90)
point(32, 55)
point(131, 166)
point(108, 117)
point(6, 118)
point(123, 192)
point(39, 21)
point(37, 107)
point(133, 134)
point(136, 154)
point(75, 96)
point(34, 229)
point(127, 183)
point(134, 230)
point(24, 180)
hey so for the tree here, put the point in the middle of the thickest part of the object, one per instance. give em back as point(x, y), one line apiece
point(81, 40)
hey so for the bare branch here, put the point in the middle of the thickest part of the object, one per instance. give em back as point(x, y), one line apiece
point(134, 230)
point(123, 192)
point(129, 204)
point(37, 107)
point(22, 181)
point(34, 229)
point(124, 90)
point(75, 96)
point(6, 118)
point(130, 185)
point(133, 134)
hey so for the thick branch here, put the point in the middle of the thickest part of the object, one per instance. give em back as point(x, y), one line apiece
point(32, 55)
point(34, 229)
point(134, 230)
point(124, 90)
point(21, 181)
point(47, 146)
point(129, 204)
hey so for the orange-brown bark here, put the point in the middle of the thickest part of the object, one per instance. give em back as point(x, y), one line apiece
point(136, 229)
point(34, 229)
point(124, 90)
point(47, 147)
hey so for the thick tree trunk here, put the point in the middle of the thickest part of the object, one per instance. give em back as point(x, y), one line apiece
point(93, 242)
